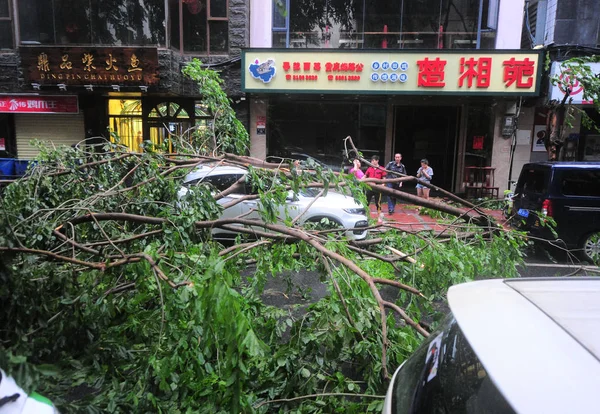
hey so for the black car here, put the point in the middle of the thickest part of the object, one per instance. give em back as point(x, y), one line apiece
point(569, 193)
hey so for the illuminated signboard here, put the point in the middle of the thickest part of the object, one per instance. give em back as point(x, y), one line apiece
point(90, 66)
point(567, 82)
point(33, 104)
point(460, 72)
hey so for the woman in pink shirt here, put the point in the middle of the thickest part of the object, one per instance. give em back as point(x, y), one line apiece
point(356, 171)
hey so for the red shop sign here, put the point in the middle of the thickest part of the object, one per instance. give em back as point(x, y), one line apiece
point(39, 104)
point(478, 142)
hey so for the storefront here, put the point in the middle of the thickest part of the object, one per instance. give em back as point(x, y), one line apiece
point(99, 93)
point(28, 117)
point(440, 105)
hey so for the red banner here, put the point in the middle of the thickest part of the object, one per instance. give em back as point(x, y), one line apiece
point(39, 104)
point(478, 142)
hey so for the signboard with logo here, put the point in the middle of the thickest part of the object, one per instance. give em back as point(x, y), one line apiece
point(445, 72)
point(557, 92)
point(90, 65)
point(34, 104)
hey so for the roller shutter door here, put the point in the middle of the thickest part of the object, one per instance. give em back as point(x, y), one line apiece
point(57, 130)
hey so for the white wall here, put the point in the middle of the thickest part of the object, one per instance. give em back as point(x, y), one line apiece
point(510, 23)
point(502, 146)
point(261, 19)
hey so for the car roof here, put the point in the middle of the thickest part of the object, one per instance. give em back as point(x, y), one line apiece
point(563, 164)
point(213, 169)
point(538, 339)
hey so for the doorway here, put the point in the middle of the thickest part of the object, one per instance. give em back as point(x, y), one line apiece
point(428, 132)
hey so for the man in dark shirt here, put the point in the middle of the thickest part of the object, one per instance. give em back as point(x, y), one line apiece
point(398, 167)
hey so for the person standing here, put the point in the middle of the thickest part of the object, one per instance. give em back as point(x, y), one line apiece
point(356, 171)
point(375, 172)
point(397, 167)
point(424, 173)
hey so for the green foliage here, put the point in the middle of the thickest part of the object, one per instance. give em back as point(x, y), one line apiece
point(226, 133)
point(580, 74)
point(113, 300)
point(441, 264)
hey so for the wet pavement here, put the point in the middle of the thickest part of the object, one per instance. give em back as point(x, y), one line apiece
point(409, 218)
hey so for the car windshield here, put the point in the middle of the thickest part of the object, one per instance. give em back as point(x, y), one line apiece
point(310, 192)
point(445, 376)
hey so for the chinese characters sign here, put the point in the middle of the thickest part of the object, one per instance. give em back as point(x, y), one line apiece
point(428, 72)
point(34, 104)
point(90, 66)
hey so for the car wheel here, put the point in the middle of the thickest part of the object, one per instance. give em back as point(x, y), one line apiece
point(590, 248)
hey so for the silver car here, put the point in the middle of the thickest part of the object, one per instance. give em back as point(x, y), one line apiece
point(340, 210)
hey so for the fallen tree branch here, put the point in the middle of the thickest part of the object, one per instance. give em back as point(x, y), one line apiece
point(327, 394)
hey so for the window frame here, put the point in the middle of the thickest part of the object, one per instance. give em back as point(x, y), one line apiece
point(284, 29)
point(12, 8)
point(485, 28)
point(209, 19)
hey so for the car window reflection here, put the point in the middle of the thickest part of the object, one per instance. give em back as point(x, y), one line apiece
point(445, 376)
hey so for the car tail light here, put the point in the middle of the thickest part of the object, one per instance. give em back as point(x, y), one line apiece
point(547, 208)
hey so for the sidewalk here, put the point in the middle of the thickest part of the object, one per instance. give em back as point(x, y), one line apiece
point(407, 217)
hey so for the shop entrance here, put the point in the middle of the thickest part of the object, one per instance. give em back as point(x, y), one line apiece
point(427, 132)
point(317, 129)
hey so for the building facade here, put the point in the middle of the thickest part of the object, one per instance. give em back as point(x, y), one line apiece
point(72, 70)
point(438, 79)
point(563, 29)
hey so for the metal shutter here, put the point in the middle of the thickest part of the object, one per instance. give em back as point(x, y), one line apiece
point(56, 130)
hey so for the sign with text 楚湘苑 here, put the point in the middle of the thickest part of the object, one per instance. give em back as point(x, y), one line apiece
point(90, 66)
point(473, 72)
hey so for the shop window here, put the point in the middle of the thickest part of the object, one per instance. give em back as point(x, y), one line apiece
point(426, 24)
point(126, 123)
point(65, 22)
point(200, 26)
point(6, 31)
point(281, 20)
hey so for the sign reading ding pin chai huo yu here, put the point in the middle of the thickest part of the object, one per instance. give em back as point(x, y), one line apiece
point(431, 72)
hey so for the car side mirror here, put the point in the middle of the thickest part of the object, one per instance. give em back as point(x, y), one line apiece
point(291, 196)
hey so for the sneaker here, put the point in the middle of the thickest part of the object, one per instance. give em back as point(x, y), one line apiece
point(390, 211)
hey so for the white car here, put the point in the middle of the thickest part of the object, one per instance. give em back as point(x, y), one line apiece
point(508, 346)
point(341, 210)
point(13, 400)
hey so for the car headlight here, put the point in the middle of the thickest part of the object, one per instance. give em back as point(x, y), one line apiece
point(355, 211)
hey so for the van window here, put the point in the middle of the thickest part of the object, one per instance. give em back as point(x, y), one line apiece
point(533, 181)
point(584, 183)
point(445, 376)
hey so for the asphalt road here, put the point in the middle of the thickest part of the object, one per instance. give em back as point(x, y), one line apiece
point(545, 262)
point(287, 290)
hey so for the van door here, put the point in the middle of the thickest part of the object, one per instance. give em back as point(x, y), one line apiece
point(531, 191)
point(577, 207)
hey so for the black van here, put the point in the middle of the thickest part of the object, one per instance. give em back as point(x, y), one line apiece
point(569, 192)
